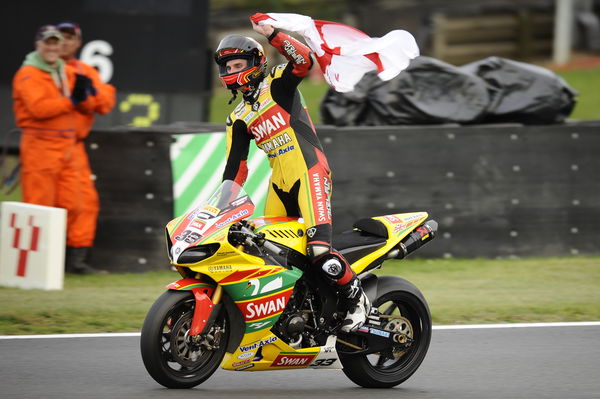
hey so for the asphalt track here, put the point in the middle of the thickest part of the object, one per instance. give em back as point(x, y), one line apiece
point(526, 362)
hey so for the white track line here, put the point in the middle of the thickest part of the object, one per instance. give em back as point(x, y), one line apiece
point(450, 327)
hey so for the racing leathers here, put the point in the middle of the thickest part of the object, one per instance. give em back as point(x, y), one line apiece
point(275, 116)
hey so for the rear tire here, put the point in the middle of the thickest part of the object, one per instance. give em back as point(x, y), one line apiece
point(385, 371)
point(169, 355)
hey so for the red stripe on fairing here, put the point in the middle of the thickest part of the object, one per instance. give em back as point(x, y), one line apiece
point(13, 219)
point(238, 275)
point(22, 263)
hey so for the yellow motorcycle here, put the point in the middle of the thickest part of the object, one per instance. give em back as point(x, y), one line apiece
point(249, 301)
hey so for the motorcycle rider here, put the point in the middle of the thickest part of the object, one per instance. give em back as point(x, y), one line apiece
point(273, 113)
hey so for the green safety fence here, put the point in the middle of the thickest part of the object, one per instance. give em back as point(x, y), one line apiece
point(198, 161)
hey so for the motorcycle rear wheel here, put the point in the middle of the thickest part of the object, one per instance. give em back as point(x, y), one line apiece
point(383, 370)
point(169, 354)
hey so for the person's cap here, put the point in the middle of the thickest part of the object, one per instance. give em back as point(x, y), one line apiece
point(70, 27)
point(45, 32)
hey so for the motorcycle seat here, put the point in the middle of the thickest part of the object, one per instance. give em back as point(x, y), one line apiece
point(368, 235)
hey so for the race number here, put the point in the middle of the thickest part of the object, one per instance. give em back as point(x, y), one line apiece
point(96, 54)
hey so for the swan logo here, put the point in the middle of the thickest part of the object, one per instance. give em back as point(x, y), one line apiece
point(270, 286)
point(292, 360)
point(262, 308)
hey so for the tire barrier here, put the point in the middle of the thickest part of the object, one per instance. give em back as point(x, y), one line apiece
point(496, 190)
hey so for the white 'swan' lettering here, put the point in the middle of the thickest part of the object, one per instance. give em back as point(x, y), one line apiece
point(266, 308)
point(268, 126)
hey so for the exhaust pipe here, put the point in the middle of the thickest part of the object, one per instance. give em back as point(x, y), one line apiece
point(421, 235)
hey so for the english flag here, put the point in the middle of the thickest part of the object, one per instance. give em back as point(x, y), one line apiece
point(344, 53)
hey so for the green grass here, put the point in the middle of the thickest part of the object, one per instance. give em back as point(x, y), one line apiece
point(585, 81)
point(458, 291)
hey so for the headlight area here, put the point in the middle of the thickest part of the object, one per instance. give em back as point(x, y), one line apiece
point(197, 254)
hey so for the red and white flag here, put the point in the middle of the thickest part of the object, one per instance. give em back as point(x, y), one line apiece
point(344, 53)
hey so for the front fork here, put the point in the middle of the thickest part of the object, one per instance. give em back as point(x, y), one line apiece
point(208, 302)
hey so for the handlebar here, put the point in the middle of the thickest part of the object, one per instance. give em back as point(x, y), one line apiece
point(243, 233)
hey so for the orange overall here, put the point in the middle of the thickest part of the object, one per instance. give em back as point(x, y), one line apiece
point(54, 173)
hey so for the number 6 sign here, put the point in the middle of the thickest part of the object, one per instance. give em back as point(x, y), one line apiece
point(96, 54)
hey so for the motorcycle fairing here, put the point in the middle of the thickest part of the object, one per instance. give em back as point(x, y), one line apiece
point(271, 353)
point(204, 224)
point(398, 226)
point(283, 230)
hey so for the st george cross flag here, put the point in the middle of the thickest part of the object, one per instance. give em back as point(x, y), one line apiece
point(344, 53)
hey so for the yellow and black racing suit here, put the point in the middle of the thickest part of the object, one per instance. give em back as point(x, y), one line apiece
point(279, 123)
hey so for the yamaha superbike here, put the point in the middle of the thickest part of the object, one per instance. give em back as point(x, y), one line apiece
point(249, 301)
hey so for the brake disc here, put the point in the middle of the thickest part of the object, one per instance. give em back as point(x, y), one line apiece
point(183, 349)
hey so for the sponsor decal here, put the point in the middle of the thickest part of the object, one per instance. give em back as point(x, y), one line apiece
point(247, 366)
point(291, 50)
point(321, 189)
point(311, 232)
point(249, 117)
point(239, 201)
point(272, 285)
point(417, 216)
point(399, 227)
point(363, 329)
point(276, 142)
point(292, 360)
point(245, 355)
point(197, 224)
point(220, 268)
point(392, 218)
point(240, 109)
point(257, 345)
point(265, 307)
point(235, 364)
point(242, 213)
point(211, 210)
point(379, 332)
point(268, 126)
point(259, 325)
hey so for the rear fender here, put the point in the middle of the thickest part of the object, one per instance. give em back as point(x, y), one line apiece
point(377, 286)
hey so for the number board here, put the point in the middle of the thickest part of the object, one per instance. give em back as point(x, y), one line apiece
point(155, 53)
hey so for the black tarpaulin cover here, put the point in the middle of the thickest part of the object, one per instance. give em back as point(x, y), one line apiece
point(430, 91)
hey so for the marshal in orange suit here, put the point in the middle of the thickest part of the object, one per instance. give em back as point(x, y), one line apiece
point(54, 107)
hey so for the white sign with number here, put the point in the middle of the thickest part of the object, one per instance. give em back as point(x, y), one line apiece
point(96, 53)
point(32, 246)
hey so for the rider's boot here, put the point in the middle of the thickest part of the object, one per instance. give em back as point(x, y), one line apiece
point(352, 297)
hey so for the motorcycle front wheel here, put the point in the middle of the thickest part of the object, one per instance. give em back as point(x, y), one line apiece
point(408, 314)
point(170, 355)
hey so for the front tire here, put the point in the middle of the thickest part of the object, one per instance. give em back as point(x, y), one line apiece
point(412, 318)
point(170, 355)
